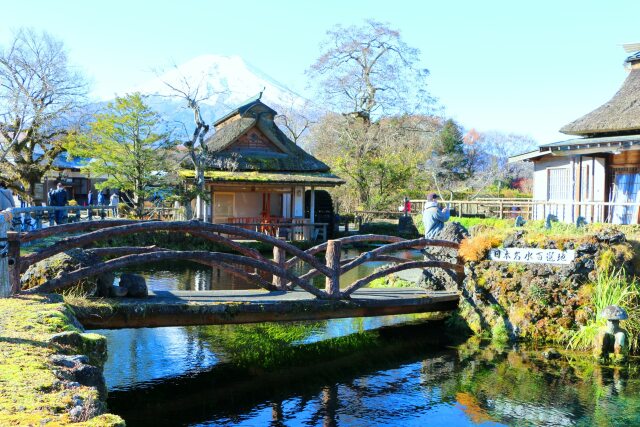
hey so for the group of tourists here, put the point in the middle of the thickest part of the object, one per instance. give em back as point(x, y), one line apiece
point(58, 196)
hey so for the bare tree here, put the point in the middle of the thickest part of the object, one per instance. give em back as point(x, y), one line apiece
point(379, 161)
point(489, 153)
point(369, 70)
point(192, 94)
point(296, 118)
point(40, 100)
point(372, 77)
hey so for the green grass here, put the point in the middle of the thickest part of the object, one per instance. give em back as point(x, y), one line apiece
point(611, 288)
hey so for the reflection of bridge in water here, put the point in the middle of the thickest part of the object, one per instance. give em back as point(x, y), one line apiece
point(286, 297)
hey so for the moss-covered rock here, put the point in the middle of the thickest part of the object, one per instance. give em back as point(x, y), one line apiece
point(539, 302)
point(62, 263)
point(30, 391)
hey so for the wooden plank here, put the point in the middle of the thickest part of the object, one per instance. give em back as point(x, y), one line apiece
point(180, 308)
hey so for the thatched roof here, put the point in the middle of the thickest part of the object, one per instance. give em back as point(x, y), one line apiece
point(281, 155)
point(619, 116)
point(319, 179)
point(250, 108)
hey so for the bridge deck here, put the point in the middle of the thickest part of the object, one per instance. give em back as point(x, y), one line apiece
point(187, 308)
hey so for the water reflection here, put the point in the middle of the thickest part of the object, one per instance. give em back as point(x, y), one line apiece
point(189, 276)
point(388, 378)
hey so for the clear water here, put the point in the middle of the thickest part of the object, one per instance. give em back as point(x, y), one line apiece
point(197, 277)
point(384, 371)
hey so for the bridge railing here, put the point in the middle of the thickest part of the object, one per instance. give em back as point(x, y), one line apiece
point(37, 217)
point(283, 278)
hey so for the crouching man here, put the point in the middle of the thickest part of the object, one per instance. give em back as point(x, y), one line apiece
point(433, 217)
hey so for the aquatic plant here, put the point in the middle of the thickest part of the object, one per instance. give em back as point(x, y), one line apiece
point(612, 287)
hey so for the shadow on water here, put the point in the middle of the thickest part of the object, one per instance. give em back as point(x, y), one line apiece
point(401, 375)
point(269, 375)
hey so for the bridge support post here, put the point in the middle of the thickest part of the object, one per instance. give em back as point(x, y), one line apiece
point(14, 263)
point(280, 257)
point(332, 283)
point(5, 283)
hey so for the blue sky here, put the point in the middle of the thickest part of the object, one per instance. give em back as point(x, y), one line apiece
point(513, 66)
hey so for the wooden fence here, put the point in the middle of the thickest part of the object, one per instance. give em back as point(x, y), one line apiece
point(565, 211)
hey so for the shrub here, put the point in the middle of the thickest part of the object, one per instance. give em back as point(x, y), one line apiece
point(476, 248)
point(611, 288)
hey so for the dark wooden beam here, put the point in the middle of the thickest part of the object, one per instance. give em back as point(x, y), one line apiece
point(254, 306)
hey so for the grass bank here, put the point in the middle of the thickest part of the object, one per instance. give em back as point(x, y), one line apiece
point(30, 392)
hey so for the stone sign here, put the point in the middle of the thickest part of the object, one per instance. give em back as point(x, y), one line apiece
point(532, 255)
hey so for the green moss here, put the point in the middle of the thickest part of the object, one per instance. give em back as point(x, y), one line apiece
point(499, 333)
point(30, 393)
point(391, 281)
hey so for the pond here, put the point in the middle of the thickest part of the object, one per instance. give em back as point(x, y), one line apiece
point(187, 276)
point(382, 371)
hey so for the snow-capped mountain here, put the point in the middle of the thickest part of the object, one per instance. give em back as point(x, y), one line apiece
point(225, 81)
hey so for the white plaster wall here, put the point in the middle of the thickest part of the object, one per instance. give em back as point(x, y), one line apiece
point(298, 207)
point(540, 188)
point(599, 189)
point(286, 203)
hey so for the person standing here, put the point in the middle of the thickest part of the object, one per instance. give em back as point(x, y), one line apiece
point(433, 217)
point(59, 197)
point(113, 203)
point(6, 197)
point(90, 200)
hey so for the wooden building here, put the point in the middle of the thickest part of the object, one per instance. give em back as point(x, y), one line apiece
point(597, 174)
point(257, 175)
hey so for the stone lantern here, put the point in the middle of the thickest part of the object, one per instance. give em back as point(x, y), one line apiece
point(612, 338)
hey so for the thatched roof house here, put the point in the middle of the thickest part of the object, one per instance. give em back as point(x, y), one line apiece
point(247, 140)
point(595, 176)
point(620, 115)
point(256, 173)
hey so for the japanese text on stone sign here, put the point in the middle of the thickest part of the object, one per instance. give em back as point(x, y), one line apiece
point(532, 255)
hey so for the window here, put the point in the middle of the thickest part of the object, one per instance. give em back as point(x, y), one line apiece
point(585, 186)
point(223, 205)
point(559, 184)
point(625, 190)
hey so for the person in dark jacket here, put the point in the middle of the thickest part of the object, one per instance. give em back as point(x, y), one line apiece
point(90, 198)
point(59, 197)
point(433, 217)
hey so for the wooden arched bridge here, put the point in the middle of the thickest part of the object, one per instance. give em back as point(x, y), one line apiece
point(286, 297)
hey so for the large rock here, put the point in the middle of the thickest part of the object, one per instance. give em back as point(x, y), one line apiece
point(62, 263)
point(437, 279)
point(135, 285)
point(538, 302)
point(94, 346)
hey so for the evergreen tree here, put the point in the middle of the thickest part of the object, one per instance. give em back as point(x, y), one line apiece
point(127, 146)
point(450, 149)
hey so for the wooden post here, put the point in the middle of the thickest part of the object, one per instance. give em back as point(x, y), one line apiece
point(501, 209)
point(312, 207)
point(280, 257)
point(13, 258)
point(332, 283)
point(5, 283)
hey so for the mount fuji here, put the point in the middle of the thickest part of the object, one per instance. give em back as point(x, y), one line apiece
point(224, 81)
